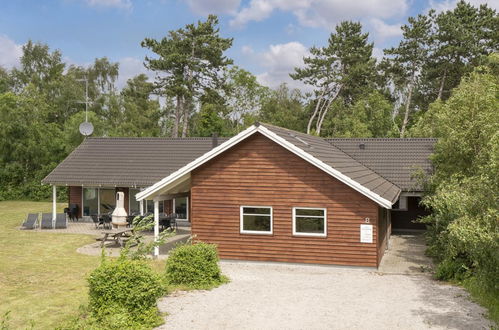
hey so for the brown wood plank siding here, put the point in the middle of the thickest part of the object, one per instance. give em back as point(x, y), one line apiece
point(259, 172)
point(75, 195)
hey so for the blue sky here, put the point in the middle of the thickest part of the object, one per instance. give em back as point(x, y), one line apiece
point(270, 36)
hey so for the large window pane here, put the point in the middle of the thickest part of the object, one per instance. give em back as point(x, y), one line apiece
point(309, 222)
point(255, 220)
point(90, 201)
point(150, 207)
point(310, 225)
point(181, 205)
point(134, 205)
point(107, 200)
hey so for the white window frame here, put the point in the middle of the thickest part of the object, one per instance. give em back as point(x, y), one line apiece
point(186, 210)
point(310, 216)
point(241, 218)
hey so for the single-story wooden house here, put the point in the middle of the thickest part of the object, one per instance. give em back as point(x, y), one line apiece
point(267, 193)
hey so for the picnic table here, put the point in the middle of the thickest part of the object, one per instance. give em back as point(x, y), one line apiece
point(118, 235)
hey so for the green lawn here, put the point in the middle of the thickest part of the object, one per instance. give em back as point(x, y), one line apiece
point(42, 277)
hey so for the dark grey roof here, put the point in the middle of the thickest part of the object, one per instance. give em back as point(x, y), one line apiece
point(395, 159)
point(340, 161)
point(127, 162)
point(384, 166)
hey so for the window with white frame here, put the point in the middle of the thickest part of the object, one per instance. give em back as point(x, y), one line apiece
point(309, 221)
point(256, 219)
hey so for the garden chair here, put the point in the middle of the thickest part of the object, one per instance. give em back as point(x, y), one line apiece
point(173, 221)
point(46, 221)
point(97, 220)
point(61, 221)
point(31, 221)
point(106, 221)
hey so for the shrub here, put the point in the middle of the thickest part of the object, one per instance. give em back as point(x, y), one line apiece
point(124, 292)
point(450, 269)
point(194, 266)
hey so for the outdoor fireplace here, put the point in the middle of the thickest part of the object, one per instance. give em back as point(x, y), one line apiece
point(119, 214)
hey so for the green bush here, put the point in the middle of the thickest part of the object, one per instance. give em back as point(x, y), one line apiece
point(124, 292)
point(194, 266)
point(452, 269)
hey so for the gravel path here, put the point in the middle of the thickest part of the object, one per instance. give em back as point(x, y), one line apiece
point(288, 296)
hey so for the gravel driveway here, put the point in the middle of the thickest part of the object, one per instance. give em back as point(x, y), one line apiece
point(289, 296)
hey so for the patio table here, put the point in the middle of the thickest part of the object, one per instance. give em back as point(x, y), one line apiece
point(117, 235)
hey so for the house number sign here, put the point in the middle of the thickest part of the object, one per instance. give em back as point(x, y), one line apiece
point(366, 233)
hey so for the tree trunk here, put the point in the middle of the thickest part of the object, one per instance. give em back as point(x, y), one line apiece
point(325, 110)
point(442, 84)
point(185, 118)
point(407, 109)
point(317, 106)
point(176, 120)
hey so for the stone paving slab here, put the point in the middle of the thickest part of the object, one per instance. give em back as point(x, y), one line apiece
point(406, 255)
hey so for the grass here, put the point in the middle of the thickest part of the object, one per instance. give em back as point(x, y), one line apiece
point(42, 277)
point(483, 296)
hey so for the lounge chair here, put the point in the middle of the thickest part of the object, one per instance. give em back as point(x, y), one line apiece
point(31, 221)
point(60, 221)
point(46, 221)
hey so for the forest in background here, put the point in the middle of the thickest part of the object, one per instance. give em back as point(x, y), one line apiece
point(441, 80)
point(198, 91)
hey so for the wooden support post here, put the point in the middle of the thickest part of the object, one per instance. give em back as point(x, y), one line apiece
point(54, 202)
point(156, 227)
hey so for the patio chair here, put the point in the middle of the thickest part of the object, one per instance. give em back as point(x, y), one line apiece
point(173, 221)
point(97, 220)
point(61, 221)
point(73, 210)
point(31, 221)
point(106, 221)
point(46, 222)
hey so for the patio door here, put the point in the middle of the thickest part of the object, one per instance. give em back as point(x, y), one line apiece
point(107, 200)
point(181, 207)
point(90, 201)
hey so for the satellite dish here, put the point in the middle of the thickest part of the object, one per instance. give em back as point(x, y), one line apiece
point(86, 128)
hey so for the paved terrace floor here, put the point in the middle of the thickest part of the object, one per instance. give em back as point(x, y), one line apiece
point(112, 249)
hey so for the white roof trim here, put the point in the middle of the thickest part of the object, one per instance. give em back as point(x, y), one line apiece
point(152, 190)
point(326, 168)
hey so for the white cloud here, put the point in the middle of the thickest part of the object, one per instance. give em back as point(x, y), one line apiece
point(10, 52)
point(321, 13)
point(378, 53)
point(383, 31)
point(129, 68)
point(445, 5)
point(122, 4)
point(205, 7)
point(279, 61)
point(247, 50)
